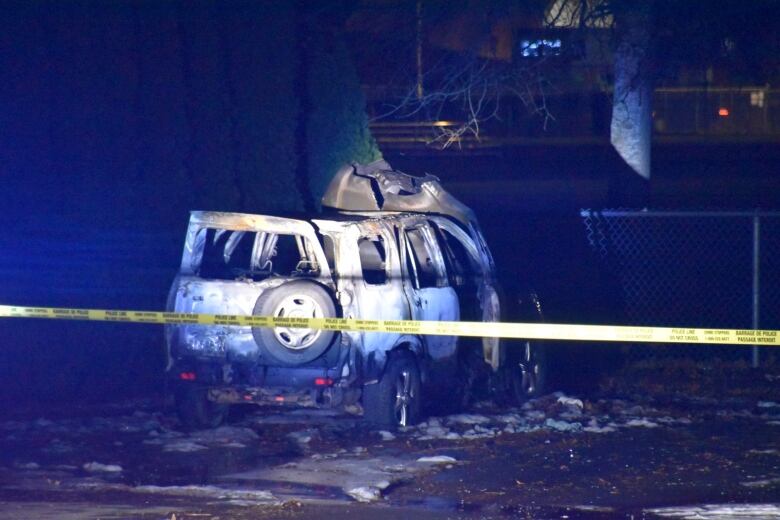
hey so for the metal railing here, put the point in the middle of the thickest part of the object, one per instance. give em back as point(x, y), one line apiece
point(691, 269)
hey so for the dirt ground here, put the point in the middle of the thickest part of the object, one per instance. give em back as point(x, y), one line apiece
point(672, 440)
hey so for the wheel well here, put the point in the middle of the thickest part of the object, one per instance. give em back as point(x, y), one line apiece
point(375, 363)
point(404, 347)
point(415, 349)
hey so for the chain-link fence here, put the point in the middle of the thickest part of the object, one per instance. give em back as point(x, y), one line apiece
point(692, 269)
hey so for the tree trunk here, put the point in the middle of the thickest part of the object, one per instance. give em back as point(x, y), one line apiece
point(631, 128)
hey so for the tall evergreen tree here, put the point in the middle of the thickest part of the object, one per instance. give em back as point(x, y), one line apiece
point(336, 125)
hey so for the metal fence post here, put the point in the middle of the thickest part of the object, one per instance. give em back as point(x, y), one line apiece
point(756, 279)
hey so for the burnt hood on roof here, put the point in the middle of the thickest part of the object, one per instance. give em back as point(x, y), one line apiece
point(377, 187)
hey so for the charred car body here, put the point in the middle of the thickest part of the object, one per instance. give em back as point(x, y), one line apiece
point(395, 247)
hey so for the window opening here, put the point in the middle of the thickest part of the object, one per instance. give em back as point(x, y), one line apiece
point(424, 267)
point(225, 252)
point(373, 260)
point(537, 48)
point(462, 267)
point(230, 255)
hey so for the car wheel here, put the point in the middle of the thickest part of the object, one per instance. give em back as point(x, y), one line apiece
point(196, 411)
point(395, 400)
point(297, 299)
point(526, 371)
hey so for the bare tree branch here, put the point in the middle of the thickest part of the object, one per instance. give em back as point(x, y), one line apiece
point(466, 90)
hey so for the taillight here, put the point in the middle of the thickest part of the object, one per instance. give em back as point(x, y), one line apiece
point(323, 381)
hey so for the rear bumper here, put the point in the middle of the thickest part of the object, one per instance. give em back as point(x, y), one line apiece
point(326, 397)
point(276, 386)
point(209, 373)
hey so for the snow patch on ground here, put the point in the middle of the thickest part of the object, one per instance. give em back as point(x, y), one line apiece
point(593, 427)
point(562, 426)
point(770, 451)
point(386, 436)
point(570, 401)
point(247, 496)
point(556, 412)
point(438, 459)
point(183, 446)
point(97, 467)
point(369, 493)
point(302, 438)
point(355, 475)
point(365, 493)
point(634, 423)
point(762, 483)
point(720, 511)
point(596, 509)
point(209, 491)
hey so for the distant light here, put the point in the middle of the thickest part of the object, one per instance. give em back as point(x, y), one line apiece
point(188, 376)
point(757, 98)
point(538, 48)
point(444, 123)
point(723, 112)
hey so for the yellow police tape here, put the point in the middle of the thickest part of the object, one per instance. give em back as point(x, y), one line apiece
point(549, 331)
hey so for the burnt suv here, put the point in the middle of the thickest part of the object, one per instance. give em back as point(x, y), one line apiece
point(392, 247)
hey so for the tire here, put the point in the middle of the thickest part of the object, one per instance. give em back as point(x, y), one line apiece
point(196, 411)
point(525, 371)
point(297, 299)
point(395, 401)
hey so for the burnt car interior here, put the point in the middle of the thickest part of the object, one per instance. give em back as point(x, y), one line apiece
point(462, 267)
point(230, 255)
point(420, 264)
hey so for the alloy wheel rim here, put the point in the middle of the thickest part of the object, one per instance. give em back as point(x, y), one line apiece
point(404, 395)
point(529, 370)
